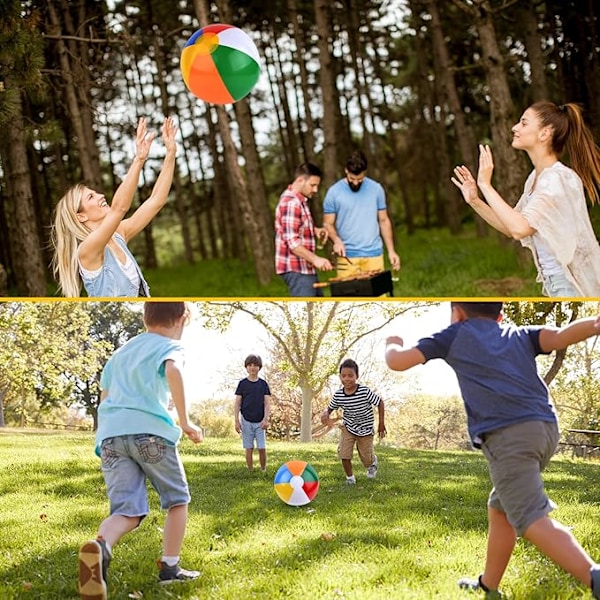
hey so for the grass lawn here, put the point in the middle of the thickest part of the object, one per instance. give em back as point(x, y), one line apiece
point(409, 534)
point(434, 264)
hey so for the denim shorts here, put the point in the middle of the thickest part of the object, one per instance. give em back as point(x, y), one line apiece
point(558, 286)
point(301, 284)
point(127, 461)
point(516, 457)
point(250, 433)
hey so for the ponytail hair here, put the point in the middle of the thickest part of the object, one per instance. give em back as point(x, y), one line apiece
point(570, 133)
point(67, 233)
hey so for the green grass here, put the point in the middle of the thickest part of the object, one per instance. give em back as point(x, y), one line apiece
point(434, 264)
point(409, 534)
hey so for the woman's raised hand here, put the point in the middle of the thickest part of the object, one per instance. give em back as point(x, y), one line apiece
point(143, 139)
point(169, 130)
point(486, 166)
point(465, 182)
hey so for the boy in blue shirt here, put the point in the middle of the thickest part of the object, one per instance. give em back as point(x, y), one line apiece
point(511, 418)
point(252, 411)
point(137, 439)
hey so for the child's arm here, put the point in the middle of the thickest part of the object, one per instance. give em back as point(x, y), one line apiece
point(265, 421)
point(381, 411)
point(236, 413)
point(558, 339)
point(399, 359)
point(325, 418)
point(175, 381)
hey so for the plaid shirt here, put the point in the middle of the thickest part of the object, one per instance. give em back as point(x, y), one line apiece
point(293, 227)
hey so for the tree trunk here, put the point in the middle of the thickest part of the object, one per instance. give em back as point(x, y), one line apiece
point(532, 38)
point(464, 135)
point(27, 258)
point(511, 168)
point(329, 100)
point(307, 132)
point(74, 109)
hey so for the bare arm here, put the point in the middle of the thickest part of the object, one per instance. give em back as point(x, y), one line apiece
point(130, 227)
point(399, 359)
point(558, 339)
point(320, 263)
point(175, 381)
point(265, 421)
point(338, 245)
point(387, 234)
point(91, 250)
point(236, 413)
point(512, 220)
point(381, 430)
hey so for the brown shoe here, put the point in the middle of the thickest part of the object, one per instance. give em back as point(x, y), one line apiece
point(94, 558)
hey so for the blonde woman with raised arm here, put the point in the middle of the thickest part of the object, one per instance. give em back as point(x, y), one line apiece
point(551, 217)
point(90, 236)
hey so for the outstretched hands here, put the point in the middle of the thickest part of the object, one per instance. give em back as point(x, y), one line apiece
point(464, 180)
point(143, 139)
point(169, 130)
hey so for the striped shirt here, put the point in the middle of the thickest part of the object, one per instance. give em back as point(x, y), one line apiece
point(358, 409)
point(293, 227)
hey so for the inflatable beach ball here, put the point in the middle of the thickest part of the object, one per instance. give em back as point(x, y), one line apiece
point(220, 64)
point(296, 482)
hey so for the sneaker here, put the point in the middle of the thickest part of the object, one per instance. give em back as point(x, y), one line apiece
point(372, 470)
point(476, 585)
point(175, 573)
point(351, 480)
point(94, 559)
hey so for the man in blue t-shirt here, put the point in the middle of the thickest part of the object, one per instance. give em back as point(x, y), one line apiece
point(252, 411)
point(511, 418)
point(356, 220)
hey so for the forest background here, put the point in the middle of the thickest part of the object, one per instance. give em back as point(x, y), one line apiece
point(52, 355)
point(416, 84)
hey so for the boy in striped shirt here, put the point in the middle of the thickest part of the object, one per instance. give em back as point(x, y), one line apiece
point(358, 422)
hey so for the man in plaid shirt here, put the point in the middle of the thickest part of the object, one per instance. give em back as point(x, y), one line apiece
point(296, 234)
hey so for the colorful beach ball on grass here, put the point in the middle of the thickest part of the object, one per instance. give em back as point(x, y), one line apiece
point(220, 64)
point(296, 482)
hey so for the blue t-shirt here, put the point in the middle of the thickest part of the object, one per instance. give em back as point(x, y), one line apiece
point(496, 370)
point(253, 398)
point(356, 216)
point(138, 391)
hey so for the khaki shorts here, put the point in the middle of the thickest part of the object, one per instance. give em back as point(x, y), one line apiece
point(516, 457)
point(364, 446)
point(359, 265)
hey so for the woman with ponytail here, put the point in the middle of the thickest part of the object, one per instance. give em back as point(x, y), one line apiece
point(551, 217)
point(90, 236)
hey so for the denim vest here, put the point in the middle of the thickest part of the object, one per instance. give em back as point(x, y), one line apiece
point(112, 280)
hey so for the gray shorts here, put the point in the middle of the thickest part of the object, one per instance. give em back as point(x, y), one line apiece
point(127, 460)
point(252, 432)
point(516, 457)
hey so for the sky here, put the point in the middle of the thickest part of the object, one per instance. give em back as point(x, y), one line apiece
point(215, 361)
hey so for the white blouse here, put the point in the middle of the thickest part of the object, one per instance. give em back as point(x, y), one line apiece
point(556, 208)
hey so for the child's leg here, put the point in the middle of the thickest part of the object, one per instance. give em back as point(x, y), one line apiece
point(174, 531)
point(347, 464)
point(262, 457)
point(559, 544)
point(501, 542)
point(366, 450)
point(113, 528)
point(250, 458)
point(261, 444)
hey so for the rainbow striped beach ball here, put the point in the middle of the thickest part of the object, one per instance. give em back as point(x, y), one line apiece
point(296, 482)
point(220, 64)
